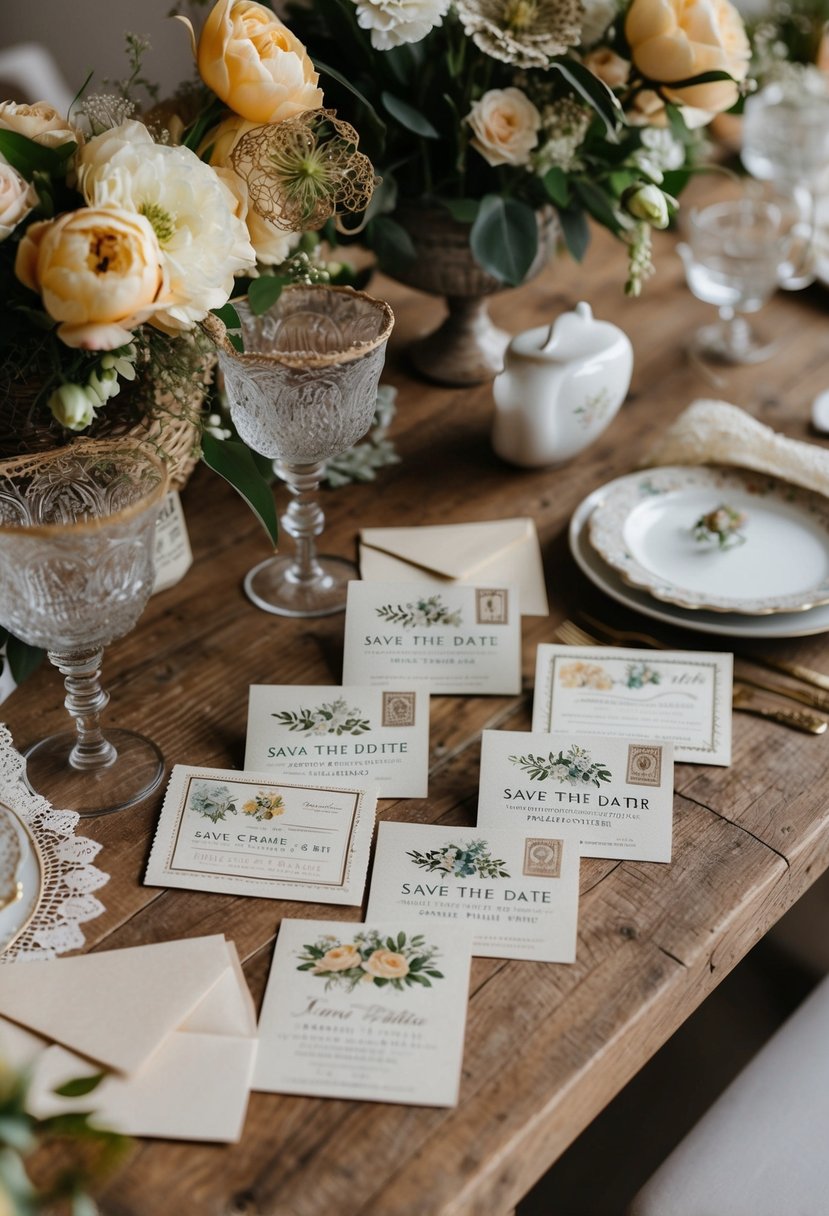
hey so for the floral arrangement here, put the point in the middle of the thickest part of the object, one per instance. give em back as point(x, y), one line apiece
point(423, 613)
point(462, 861)
point(211, 801)
point(724, 525)
point(118, 234)
point(264, 806)
point(574, 767)
point(371, 959)
point(498, 109)
point(584, 675)
point(639, 675)
point(330, 718)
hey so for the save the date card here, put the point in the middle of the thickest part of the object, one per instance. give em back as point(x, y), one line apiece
point(252, 834)
point(374, 1011)
point(458, 640)
point(614, 795)
point(518, 890)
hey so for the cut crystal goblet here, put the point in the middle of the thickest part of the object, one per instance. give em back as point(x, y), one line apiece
point(304, 390)
point(77, 529)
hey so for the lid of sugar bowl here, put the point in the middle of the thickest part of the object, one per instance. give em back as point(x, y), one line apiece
point(573, 335)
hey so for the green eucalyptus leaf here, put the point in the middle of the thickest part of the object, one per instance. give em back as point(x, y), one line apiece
point(231, 459)
point(576, 232)
point(408, 116)
point(265, 291)
point(557, 185)
point(599, 206)
point(464, 210)
point(28, 157)
point(504, 238)
point(23, 658)
point(80, 1086)
point(391, 242)
point(594, 91)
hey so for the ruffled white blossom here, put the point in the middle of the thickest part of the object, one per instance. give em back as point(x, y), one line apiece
point(393, 22)
point(204, 243)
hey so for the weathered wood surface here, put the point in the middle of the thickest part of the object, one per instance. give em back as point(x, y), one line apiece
point(547, 1046)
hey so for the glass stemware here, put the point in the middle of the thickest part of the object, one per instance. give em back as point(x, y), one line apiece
point(304, 390)
point(735, 257)
point(77, 529)
point(786, 143)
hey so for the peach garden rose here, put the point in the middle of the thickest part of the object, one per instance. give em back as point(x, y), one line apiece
point(40, 122)
point(339, 958)
point(254, 64)
point(505, 126)
point(673, 40)
point(97, 271)
point(17, 198)
point(386, 965)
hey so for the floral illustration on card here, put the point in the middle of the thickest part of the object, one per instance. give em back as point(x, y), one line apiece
point(372, 960)
point(639, 675)
point(264, 806)
point(575, 767)
point(427, 611)
point(212, 801)
point(331, 718)
point(461, 861)
point(594, 409)
point(579, 674)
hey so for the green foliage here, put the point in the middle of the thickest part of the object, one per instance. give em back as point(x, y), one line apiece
point(504, 238)
point(233, 461)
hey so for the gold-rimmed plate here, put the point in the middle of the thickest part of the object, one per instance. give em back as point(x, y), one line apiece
point(21, 877)
point(647, 527)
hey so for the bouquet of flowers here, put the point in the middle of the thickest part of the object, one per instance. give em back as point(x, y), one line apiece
point(119, 233)
point(494, 109)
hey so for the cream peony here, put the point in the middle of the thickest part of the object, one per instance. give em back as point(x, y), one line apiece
point(338, 958)
point(673, 40)
point(40, 122)
point(505, 126)
point(17, 198)
point(386, 965)
point(97, 271)
point(204, 241)
point(255, 64)
point(393, 22)
point(272, 245)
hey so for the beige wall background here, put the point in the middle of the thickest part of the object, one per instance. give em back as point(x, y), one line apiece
point(84, 35)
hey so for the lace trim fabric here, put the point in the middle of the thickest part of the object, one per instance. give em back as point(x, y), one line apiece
point(69, 877)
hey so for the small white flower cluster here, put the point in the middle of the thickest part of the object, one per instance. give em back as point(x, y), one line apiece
point(565, 123)
point(74, 405)
point(659, 154)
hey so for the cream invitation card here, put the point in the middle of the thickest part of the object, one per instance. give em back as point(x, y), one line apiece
point(614, 795)
point(374, 1011)
point(667, 696)
point(459, 640)
point(359, 734)
point(517, 890)
point(250, 834)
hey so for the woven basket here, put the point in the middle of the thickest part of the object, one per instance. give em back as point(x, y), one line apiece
point(144, 410)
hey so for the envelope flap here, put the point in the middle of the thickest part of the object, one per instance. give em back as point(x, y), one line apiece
point(118, 1006)
point(453, 550)
point(228, 1007)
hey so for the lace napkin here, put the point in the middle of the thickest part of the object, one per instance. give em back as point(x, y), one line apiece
point(69, 878)
point(714, 432)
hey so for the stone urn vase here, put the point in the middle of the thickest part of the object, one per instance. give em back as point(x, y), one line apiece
point(467, 348)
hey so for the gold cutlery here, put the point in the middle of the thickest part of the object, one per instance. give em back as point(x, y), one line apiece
point(797, 670)
point(742, 699)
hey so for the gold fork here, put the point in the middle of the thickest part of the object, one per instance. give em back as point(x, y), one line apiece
point(815, 700)
point(742, 698)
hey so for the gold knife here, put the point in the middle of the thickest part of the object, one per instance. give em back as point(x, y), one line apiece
point(799, 719)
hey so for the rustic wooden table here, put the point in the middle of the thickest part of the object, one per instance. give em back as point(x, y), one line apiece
point(547, 1046)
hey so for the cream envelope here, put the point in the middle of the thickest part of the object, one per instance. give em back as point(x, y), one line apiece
point(499, 552)
point(194, 1068)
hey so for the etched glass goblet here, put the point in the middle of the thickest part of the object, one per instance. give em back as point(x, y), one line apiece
point(305, 390)
point(77, 529)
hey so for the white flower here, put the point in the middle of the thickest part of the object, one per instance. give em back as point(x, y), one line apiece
point(17, 198)
point(648, 203)
point(204, 242)
point(663, 149)
point(72, 407)
point(505, 126)
point(393, 22)
point(560, 772)
point(598, 15)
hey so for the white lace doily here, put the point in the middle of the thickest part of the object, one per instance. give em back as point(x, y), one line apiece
point(69, 878)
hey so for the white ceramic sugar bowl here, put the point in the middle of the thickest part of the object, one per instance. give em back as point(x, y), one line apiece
point(561, 386)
